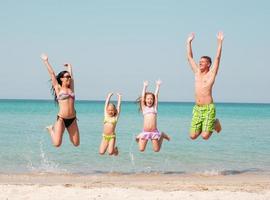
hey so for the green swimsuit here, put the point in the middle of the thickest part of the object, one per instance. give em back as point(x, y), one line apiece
point(113, 121)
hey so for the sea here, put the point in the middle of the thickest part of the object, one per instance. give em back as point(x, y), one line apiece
point(243, 146)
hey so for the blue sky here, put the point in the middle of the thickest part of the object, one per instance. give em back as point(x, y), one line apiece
point(115, 45)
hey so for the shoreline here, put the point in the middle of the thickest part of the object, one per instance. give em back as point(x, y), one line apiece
point(139, 186)
point(172, 182)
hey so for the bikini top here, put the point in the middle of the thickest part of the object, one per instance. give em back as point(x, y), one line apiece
point(108, 119)
point(149, 110)
point(64, 95)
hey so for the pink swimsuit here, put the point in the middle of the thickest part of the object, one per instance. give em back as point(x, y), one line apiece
point(149, 110)
point(152, 135)
point(149, 135)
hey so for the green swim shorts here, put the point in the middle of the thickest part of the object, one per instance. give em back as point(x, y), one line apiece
point(203, 119)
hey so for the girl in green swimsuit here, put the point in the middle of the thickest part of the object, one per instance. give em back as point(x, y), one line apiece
point(111, 115)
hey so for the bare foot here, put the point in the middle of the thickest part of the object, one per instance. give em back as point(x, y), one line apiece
point(115, 151)
point(49, 129)
point(217, 126)
point(165, 136)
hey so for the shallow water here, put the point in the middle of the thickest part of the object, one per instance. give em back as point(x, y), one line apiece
point(243, 146)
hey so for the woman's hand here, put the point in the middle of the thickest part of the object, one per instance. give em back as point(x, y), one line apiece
point(44, 57)
point(67, 65)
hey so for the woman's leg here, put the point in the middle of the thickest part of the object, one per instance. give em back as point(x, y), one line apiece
point(74, 134)
point(57, 132)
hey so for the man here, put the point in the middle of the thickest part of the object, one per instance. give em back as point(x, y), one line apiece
point(204, 112)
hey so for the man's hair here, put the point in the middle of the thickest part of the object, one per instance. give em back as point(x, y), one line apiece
point(208, 58)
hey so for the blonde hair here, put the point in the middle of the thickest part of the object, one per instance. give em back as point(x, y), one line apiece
point(114, 107)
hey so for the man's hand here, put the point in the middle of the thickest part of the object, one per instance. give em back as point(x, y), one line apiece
point(191, 36)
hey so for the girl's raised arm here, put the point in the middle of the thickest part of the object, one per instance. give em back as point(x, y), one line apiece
point(107, 102)
point(119, 103)
point(145, 84)
point(158, 83)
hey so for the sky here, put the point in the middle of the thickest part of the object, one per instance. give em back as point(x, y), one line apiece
point(114, 45)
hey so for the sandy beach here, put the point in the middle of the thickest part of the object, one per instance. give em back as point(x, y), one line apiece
point(139, 186)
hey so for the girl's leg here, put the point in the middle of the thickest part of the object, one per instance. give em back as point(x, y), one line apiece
point(103, 146)
point(157, 143)
point(142, 144)
point(165, 136)
point(57, 132)
point(112, 149)
point(74, 135)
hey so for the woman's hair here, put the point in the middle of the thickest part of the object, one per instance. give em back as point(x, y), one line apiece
point(138, 100)
point(58, 78)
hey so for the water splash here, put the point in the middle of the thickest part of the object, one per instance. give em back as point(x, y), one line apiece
point(131, 154)
point(148, 169)
point(132, 159)
point(213, 172)
point(45, 164)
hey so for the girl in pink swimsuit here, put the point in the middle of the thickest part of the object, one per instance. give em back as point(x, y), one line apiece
point(148, 105)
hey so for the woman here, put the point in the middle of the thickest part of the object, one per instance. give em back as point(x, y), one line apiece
point(63, 91)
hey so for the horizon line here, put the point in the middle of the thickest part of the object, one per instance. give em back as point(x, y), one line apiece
point(216, 102)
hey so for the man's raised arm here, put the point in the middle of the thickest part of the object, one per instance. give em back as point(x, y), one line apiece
point(191, 61)
point(215, 67)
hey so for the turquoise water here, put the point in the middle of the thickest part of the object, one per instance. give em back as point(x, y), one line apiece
point(25, 146)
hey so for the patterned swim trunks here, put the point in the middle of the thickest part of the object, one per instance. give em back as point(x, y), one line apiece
point(203, 119)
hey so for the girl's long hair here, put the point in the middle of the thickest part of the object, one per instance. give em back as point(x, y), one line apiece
point(138, 100)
